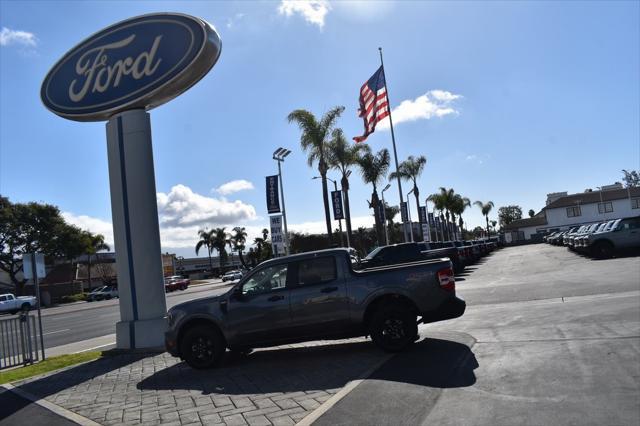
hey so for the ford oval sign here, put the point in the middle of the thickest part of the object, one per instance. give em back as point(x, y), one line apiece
point(142, 62)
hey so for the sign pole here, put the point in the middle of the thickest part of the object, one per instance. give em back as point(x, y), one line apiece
point(393, 139)
point(34, 272)
point(284, 212)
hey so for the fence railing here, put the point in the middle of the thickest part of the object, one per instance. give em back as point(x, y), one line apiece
point(18, 341)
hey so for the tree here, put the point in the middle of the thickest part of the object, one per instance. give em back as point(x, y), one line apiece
point(238, 239)
point(341, 156)
point(96, 244)
point(532, 213)
point(373, 168)
point(220, 241)
point(438, 201)
point(445, 201)
point(206, 240)
point(508, 214)
point(410, 170)
point(314, 139)
point(34, 227)
point(631, 178)
point(486, 209)
point(458, 205)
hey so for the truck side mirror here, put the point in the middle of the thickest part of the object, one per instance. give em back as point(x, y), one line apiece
point(237, 293)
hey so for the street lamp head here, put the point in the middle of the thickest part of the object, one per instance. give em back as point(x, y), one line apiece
point(386, 187)
point(277, 152)
point(285, 153)
point(410, 192)
point(315, 177)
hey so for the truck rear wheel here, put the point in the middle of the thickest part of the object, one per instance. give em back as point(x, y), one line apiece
point(25, 307)
point(602, 250)
point(202, 347)
point(393, 328)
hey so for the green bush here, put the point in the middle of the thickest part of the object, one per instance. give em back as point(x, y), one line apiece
point(73, 298)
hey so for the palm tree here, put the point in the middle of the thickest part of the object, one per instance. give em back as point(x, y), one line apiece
point(239, 238)
point(219, 241)
point(206, 239)
point(314, 140)
point(439, 204)
point(390, 212)
point(96, 244)
point(341, 156)
point(486, 209)
point(373, 169)
point(458, 205)
point(411, 169)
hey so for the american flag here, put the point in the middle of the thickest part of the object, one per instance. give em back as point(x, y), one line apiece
point(374, 105)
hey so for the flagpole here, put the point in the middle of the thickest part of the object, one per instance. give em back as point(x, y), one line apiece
point(393, 140)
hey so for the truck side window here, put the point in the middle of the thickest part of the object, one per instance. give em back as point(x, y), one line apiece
point(3, 298)
point(317, 270)
point(265, 280)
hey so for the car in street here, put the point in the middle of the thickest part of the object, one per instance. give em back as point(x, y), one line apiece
point(311, 296)
point(12, 304)
point(232, 276)
point(106, 292)
point(176, 282)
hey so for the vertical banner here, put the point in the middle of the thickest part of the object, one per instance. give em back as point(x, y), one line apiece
point(273, 199)
point(277, 238)
point(432, 222)
point(426, 235)
point(380, 213)
point(403, 212)
point(336, 198)
point(423, 214)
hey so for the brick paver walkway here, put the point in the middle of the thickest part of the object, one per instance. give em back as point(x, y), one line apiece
point(277, 386)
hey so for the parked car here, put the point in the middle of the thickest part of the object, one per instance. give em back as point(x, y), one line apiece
point(106, 292)
point(310, 296)
point(11, 304)
point(177, 282)
point(580, 242)
point(232, 276)
point(625, 235)
point(409, 252)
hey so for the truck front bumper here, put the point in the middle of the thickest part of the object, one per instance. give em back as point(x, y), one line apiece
point(451, 308)
point(171, 342)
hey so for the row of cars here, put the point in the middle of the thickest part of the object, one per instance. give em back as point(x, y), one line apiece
point(602, 239)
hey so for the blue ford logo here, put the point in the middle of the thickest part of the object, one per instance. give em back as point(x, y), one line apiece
point(142, 62)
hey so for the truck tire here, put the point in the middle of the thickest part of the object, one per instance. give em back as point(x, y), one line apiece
point(393, 328)
point(602, 250)
point(25, 307)
point(202, 347)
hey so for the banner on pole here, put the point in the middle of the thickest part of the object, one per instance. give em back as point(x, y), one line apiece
point(380, 212)
point(423, 214)
point(432, 222)
point(27, 266)
point(426, 235)
point(403, 212)
point(273, 199)
point(336, 198)
point(277, 236)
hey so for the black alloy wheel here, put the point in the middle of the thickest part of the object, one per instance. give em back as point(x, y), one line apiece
point(603, 250)
point(202, 347)
point(393, 328)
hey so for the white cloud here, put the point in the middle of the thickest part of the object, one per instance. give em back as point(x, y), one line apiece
point(313, 11)
point(364, 10)
point(434, 103)
point(320, 227)
point(24, 38)
point(231, 22)
point(234, 186)
point(183, 207)
point(95, 225)
point(478, 159)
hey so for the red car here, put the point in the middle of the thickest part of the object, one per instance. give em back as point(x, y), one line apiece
point(176, 282)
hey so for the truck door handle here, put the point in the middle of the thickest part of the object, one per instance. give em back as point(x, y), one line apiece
point(275, 298)
point(329, 289)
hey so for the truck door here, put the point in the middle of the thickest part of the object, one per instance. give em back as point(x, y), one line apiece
point(319, 302)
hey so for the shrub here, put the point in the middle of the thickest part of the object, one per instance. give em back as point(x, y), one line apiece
point(73, 298)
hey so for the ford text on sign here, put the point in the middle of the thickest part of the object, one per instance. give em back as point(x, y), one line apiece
point(336, 198)
point(139, 63)
point(273, 199)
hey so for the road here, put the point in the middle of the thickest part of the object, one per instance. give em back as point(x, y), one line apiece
point(549, 337)
point(82, 321)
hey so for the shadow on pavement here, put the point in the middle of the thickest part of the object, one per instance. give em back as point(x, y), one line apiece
point(15, 410)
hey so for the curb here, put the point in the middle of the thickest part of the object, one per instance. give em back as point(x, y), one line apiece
point(62, 412)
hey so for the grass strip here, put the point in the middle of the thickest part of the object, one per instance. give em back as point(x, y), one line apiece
point(48, 365)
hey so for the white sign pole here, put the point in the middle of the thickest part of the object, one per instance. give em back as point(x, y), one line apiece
point(33, 267)
point(136, 232)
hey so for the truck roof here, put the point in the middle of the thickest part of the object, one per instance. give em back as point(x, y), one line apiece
point(308, 254)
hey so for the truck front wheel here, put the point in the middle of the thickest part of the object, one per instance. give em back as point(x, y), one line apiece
point(202, 347)
point(393, 328)
point(602, 249)
point(26, 307)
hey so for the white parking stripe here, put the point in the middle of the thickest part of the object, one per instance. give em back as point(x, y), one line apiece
point(57, 331)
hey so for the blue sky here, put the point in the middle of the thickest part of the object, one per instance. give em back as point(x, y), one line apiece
point(508, 101)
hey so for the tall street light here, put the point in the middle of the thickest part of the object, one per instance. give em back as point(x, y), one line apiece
point(279, 155)
point(335, 188)
point(409, 214)
point(384, 205)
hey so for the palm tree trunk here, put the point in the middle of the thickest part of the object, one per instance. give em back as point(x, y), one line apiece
point(244, 265)
point(487, 218)
point(89, 273)
point(327, 216)
point(210, 262)
point(347, 210)
point(416, 193)
point(375, 201)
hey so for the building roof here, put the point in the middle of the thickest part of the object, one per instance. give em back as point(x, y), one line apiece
point(538, 220)
point(593, 197)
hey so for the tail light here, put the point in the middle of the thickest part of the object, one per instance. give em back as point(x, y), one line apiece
point(446, 279)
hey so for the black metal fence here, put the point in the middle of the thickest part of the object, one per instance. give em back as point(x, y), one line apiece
point(18, 341)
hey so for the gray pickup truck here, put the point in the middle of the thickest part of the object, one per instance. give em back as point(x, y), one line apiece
point(311, 296)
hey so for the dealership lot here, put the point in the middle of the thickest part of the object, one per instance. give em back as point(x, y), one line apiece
point(549, 337)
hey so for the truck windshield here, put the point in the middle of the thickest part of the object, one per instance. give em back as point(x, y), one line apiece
point(374, 253)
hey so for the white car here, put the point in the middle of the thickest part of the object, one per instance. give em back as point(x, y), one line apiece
point(10, 303)
point(103, 293)
point(232, 276)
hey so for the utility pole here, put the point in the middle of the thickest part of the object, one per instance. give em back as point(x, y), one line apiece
point(386, 228)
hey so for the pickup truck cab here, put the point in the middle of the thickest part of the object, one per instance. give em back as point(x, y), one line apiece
point(311, 296)
point(411, 252)
point(623, 236)
point(11, 304)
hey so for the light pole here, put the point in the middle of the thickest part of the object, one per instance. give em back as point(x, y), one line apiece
point(279, 155)
point(335, 188)
point(409, 213)
point(386, 229)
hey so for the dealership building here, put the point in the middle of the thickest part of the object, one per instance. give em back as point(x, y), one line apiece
point(564, 210)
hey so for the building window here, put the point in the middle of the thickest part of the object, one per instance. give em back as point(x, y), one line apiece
point(605, 207)
point(573, 211)
point(635, 203)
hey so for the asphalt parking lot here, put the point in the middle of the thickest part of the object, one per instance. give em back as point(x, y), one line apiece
point(549, 337)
